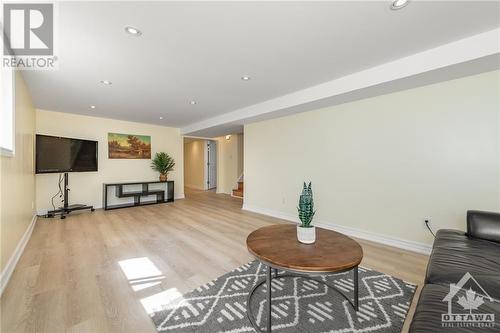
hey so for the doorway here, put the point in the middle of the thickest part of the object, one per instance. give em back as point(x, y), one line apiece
point(200, 163)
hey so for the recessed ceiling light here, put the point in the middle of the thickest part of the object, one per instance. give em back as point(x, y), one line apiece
point(398, 4)
point(245, 78)
point(133, 31)
point(161, 118)
point(193, 102)
point(92, 106)
point(106, 82)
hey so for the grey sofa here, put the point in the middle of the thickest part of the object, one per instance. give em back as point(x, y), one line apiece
point(442, 308)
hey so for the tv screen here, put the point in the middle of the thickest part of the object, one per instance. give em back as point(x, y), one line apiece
point(57, 154)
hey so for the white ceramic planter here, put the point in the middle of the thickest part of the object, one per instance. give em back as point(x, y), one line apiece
point(306, 235)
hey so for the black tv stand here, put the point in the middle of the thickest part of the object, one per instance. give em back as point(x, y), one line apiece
point(67, 208)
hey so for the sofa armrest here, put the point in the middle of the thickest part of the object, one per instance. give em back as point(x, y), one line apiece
point(484, 225)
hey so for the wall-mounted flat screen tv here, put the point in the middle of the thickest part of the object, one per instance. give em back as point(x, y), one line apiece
point(57, 154)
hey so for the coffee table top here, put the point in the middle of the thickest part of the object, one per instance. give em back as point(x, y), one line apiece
point(278, 246)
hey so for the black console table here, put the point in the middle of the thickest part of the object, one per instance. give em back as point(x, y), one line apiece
point(141, 197)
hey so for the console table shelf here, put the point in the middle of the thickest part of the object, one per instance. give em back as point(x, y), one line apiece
point(162, 195)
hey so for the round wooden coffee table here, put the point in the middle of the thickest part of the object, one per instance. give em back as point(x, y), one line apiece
point(277, 247)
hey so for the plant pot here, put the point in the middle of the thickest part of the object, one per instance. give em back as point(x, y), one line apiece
point(306, 235)
point(163, 177)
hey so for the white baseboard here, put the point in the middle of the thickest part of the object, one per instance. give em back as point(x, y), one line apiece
point(14, 258)
point(222, 192)
point(179, 196)
point(362, 234)
point(195, 187)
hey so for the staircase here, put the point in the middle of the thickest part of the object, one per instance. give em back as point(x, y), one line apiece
point(239, 191)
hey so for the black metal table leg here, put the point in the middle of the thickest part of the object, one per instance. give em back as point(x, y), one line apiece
point(269, 295)
point(356, 290)
point(268, 281)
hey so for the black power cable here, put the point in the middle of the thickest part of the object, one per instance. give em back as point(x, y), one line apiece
point(428, 227)
point(59, 192)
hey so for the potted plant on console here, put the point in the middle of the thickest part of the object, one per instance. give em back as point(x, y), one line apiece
point(163, 163)
point(306, 233)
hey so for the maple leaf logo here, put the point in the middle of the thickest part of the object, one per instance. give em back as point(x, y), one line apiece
point(470, 301)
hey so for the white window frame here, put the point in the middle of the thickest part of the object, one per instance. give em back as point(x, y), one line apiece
point(6, 74)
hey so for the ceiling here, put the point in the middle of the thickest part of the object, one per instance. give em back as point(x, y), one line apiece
point(200, 50)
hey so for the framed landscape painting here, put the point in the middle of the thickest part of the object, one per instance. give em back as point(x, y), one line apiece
point(129, 146)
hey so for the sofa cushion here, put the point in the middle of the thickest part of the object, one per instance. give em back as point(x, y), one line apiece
point(431, 307)
point(484, 225)
point(454, 254)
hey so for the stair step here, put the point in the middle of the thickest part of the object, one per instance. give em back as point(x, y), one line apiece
point(240, 186)
point(238, 193)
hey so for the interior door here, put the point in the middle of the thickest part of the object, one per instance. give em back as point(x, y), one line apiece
point(211, 164)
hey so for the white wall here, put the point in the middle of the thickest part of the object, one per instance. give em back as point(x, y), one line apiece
point(241, 149)
point(17, 180)
point(228, 162)
point(86, 187)
point(381, 165)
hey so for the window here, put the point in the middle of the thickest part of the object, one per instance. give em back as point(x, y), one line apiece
point(7, 115)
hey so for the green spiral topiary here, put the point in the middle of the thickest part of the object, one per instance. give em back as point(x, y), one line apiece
point(306, 206)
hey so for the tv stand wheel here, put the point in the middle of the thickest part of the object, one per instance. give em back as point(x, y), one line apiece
point(92, 209)
point(63, 217)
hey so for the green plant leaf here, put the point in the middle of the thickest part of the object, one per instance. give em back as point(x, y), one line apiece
point(163, 163)
point(306, 205)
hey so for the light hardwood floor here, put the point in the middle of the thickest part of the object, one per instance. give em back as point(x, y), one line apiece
point(71, 277)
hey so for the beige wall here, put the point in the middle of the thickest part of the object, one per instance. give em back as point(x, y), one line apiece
point(17, 177)
point(228, 156)
point(384, 164)
point(194, 164)
point(86, 187)
point(240, 153)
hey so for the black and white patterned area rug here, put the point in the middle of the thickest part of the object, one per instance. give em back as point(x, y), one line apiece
point(298, 304)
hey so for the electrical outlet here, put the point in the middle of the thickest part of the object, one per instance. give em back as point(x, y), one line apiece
point(427, 221)
point(283, 200)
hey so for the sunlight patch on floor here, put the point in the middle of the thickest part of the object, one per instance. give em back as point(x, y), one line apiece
point(139, 268)
point(158, 301)
point(142, 273)
point(146, 283)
